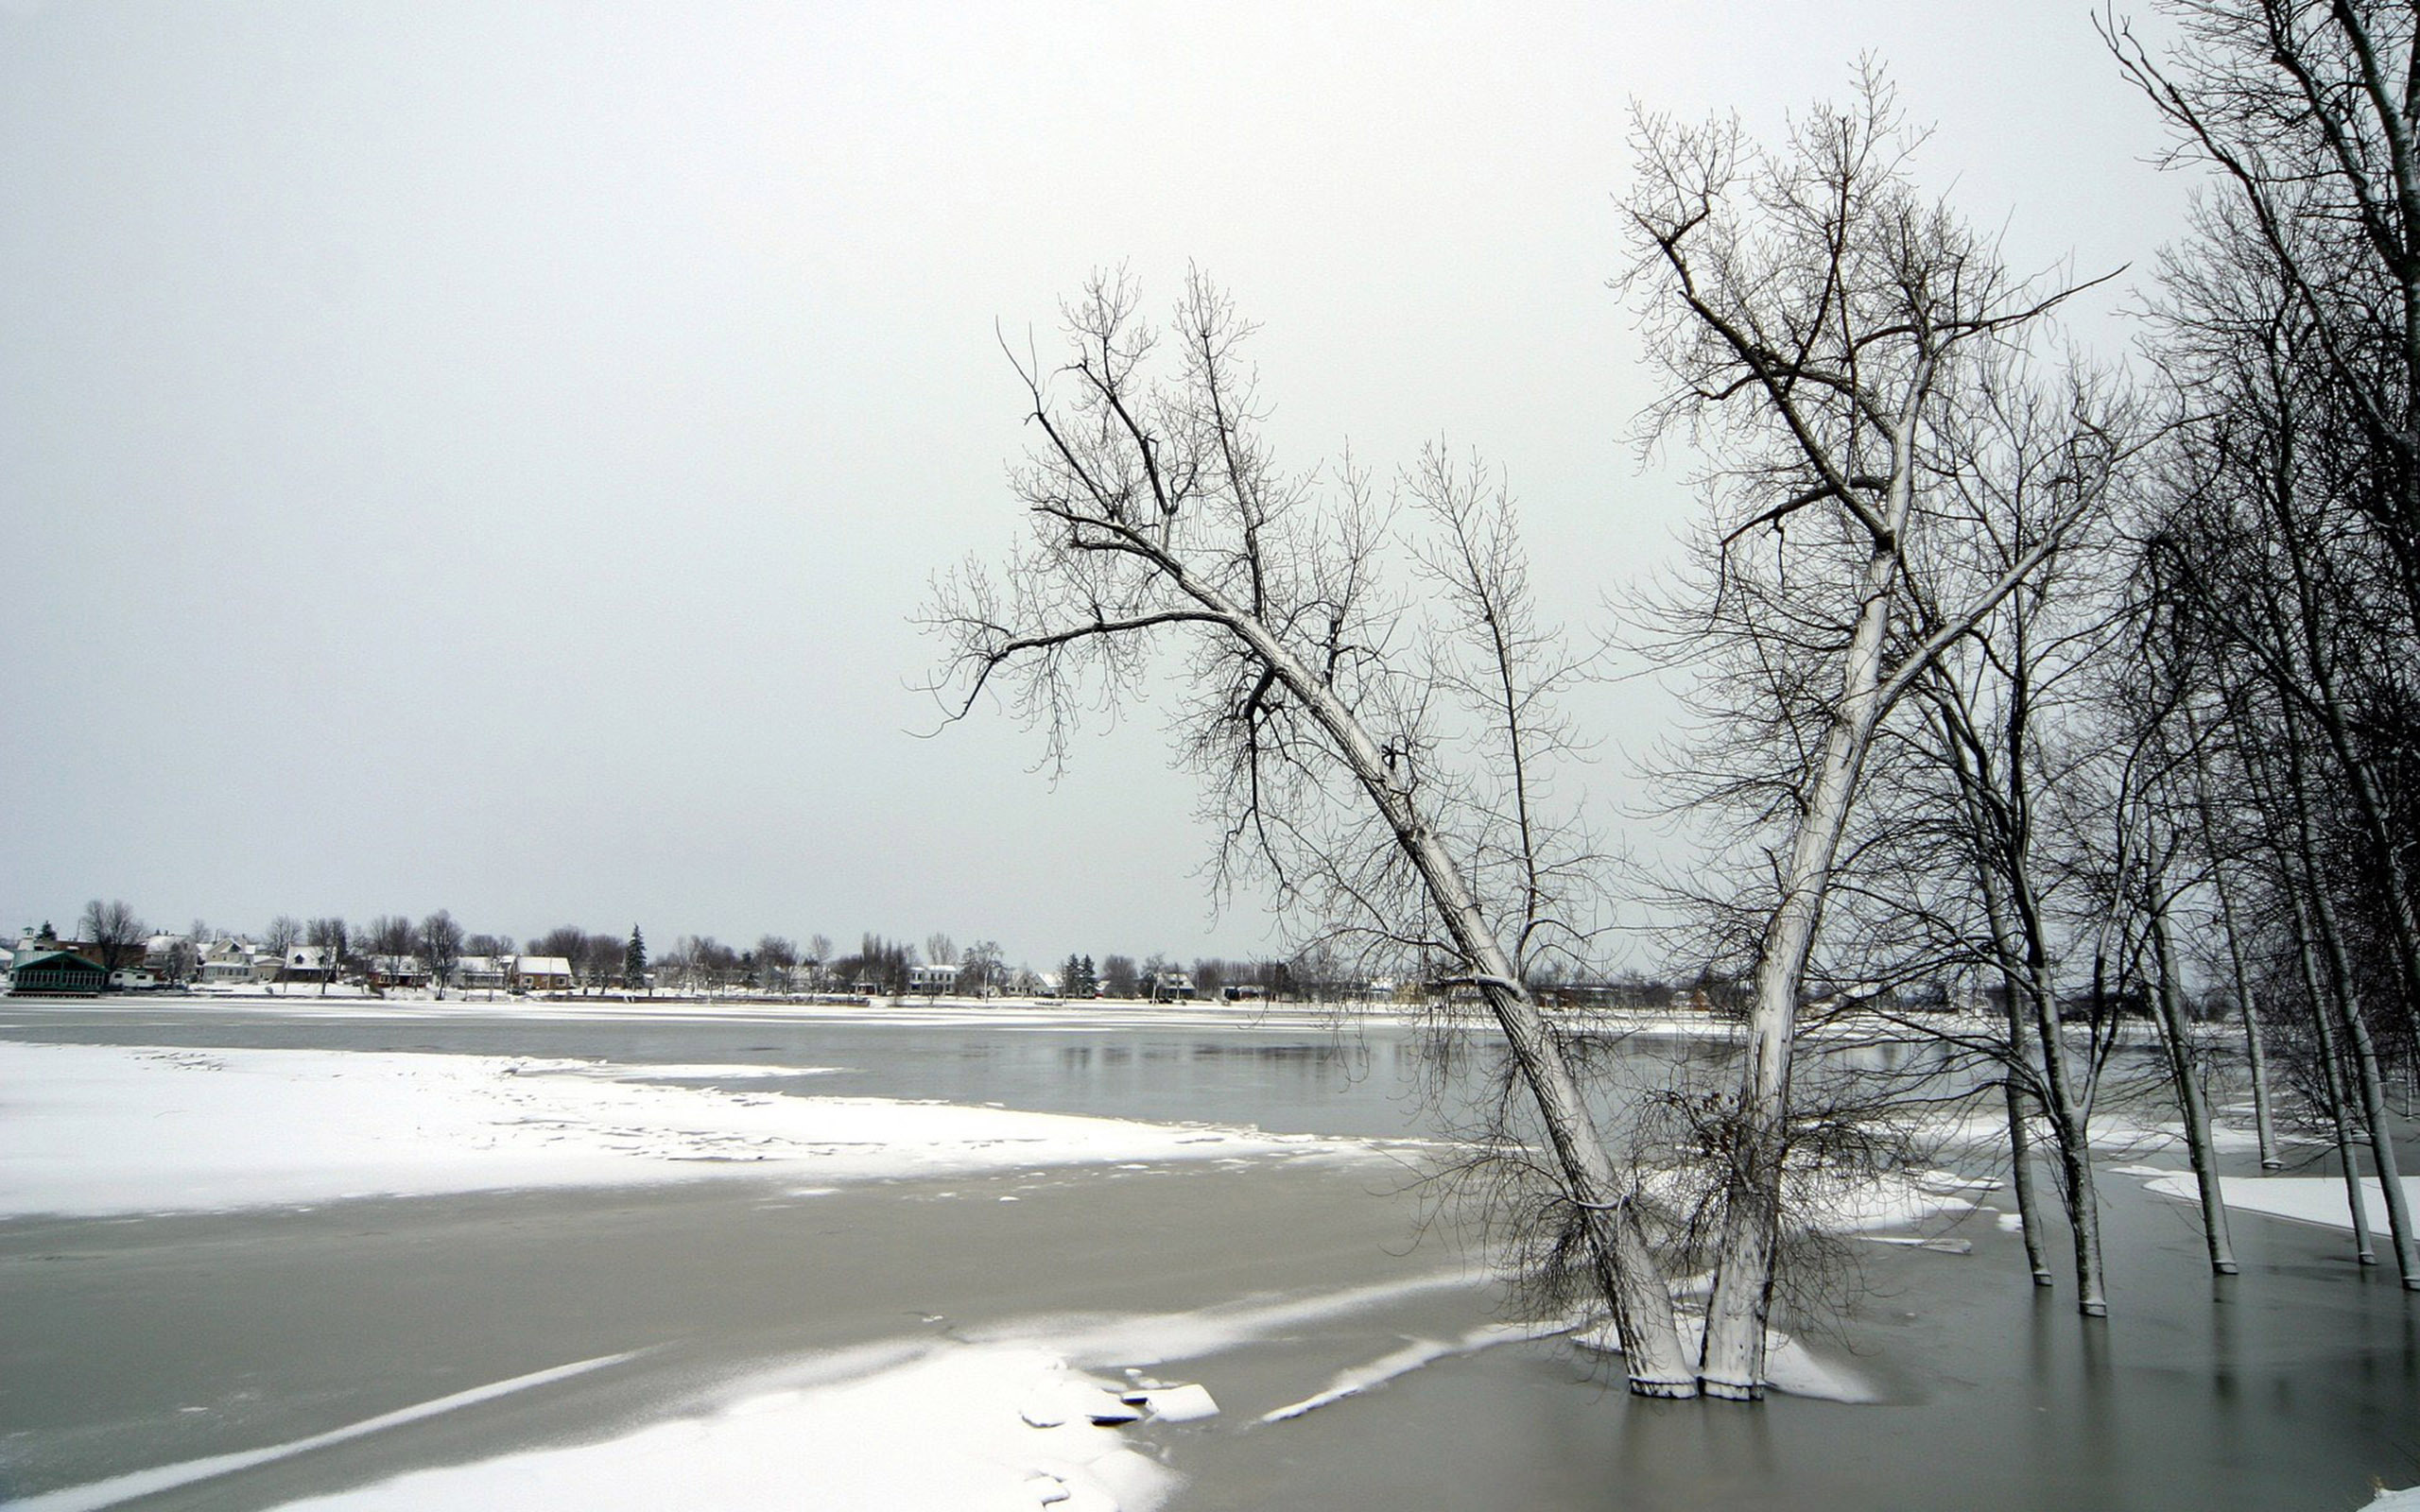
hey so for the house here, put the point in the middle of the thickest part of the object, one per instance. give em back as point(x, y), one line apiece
point(395, 971)
point(541, 973)
point(56, 975)
point(932, 981)
point(306, 963)
point(226, 961)
point(1172, 986)
point(483, 973)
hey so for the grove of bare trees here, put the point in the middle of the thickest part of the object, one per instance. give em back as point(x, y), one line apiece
point(2083, 682)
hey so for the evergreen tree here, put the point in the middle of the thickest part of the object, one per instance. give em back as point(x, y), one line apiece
point(634, 959)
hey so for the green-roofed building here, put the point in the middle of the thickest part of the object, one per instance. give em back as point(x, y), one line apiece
point(56, 975)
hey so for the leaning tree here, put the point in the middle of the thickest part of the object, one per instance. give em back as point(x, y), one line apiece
point(1371, 724)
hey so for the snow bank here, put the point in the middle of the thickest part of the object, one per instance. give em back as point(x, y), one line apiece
point(89, 1129)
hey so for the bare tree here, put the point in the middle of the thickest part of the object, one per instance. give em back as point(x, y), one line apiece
point(114, 930)
point(285, 932)
point(777, 960)
point(2292, 329)
point(331, 936)
point(1158, 520)
point(2004, 708)
point(1816, 320)
point(981, 970)
point(439, 943)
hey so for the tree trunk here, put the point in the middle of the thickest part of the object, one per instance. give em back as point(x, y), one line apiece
point(2020, 1176)
point(2255, 1054)
point(2168, 1001)
point(2333, 1069)
point(2347, 996)
point(1734, 1363)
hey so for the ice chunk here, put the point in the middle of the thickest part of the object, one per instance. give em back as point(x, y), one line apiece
point(1176, 1405)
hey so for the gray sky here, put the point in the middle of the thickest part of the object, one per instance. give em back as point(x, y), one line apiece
point(485, 456)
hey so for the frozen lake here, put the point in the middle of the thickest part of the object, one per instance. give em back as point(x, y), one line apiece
point(133, 1344)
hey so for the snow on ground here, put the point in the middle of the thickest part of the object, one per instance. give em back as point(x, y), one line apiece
point(2312, 1199)
point(90, 1129)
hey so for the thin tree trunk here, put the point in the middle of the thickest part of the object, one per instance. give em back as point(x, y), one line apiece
point(2332, 1070)
point(2020, 1173)
point(2255, 1054)
point(2367, 1080)
point(2038, 988)
point(2070, 1126)
point(2169, 1002)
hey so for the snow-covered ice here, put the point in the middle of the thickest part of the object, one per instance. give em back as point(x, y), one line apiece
point(936, 1430)
point(2313, 1199)
point(92, 1129)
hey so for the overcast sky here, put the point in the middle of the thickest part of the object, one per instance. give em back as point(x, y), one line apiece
point(486, 457)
